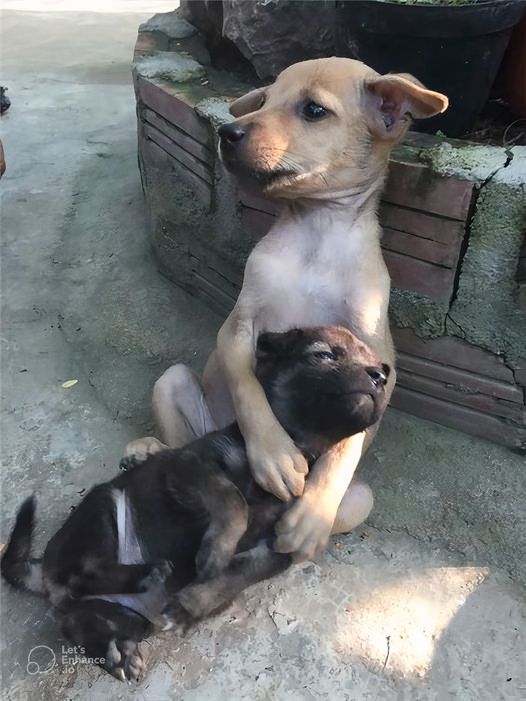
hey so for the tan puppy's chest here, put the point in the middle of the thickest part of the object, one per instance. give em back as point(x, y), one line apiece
point(298, 278)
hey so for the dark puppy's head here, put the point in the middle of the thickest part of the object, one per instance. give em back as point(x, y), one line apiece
point(322, 383)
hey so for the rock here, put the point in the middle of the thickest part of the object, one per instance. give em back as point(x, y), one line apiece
point(269, 34)
point(273, 34)
point(206, 15)
point(171, 24)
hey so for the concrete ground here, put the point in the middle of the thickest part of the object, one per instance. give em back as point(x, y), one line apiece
point(425, 602)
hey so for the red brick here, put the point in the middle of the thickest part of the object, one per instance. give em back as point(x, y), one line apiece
point(450, 392)
point(177, 136)
point(453, 352)
point(256, 222)
point(415, 185)
point(183, 157)
point(459, 417)
point(164, 100)
point(520, 374)
point(162, 159)
point(423, 224)
point(419, 276)
point(521, 276)
point(423, 249)
point(261, 203)
point(216, 297)
point(461, 379)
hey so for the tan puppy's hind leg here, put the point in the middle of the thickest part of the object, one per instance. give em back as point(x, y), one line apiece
point(181, 414)
point(354, 508)
point(179, 406)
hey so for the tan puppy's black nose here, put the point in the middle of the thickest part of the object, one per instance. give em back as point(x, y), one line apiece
point(231, 133)
point(378, 376)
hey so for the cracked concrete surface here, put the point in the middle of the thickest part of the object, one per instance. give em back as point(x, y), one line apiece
point(424, 602)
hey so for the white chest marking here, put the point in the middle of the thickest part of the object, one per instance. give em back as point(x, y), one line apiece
point(129, 547)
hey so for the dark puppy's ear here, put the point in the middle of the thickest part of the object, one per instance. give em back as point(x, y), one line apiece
point(393, 99)
point(273, 345)
point(250, 102)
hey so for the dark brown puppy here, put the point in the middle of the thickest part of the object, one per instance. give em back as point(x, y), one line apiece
point(177, 537)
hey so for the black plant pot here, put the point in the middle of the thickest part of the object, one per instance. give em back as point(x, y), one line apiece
point(456, 50)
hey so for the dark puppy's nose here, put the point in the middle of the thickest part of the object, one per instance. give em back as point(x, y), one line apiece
point(377, 375)
point(231, 133)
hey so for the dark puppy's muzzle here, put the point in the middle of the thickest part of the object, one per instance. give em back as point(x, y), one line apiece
point(369, 380)
point(378, 375)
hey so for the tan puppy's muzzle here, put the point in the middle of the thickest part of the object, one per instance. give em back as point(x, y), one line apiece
point(233, 137)
point(256, 151)
point(231, 134)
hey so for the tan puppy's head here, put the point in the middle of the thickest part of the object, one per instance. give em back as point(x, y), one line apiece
point(323, 129)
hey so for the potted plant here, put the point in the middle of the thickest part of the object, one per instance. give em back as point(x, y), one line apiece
point(452, 46)
point(514, 69)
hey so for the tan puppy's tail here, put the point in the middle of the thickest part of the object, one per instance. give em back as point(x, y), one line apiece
point(17, 566)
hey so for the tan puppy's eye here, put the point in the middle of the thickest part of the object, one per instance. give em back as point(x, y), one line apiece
point(312, 112)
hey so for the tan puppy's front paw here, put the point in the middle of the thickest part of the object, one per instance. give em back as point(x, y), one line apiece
point(139, 450)
point(305, 528)
point(278, 466)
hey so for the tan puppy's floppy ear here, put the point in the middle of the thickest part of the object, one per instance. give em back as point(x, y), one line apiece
point(396, 98)
point(250, 102)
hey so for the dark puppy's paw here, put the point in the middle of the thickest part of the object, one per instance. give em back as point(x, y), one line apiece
point(128, 462)
point(176, 617)
point(125, 661)
point(158, 574)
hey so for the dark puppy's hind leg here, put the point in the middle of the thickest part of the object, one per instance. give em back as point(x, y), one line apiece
point(201, 599)
point(228, 513)
point(109, 634)
point(235, 527)
point(197, 483)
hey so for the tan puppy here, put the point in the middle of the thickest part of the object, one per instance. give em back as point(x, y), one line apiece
point(319, 139)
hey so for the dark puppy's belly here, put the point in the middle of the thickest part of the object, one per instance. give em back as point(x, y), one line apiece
point(146, 512)
point(154, 534)
point(158, 531)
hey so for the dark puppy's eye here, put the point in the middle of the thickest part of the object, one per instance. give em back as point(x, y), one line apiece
point(312, 112)
point(324, 355)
